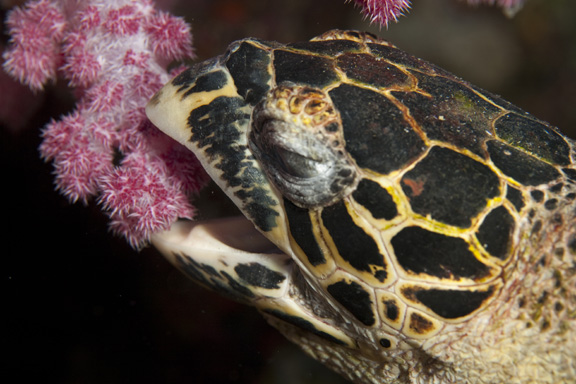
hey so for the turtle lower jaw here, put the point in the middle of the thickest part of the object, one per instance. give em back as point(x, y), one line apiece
point(229, 256)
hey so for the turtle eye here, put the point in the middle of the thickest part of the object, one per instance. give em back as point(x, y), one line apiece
point(287, 152)
point(296, 136)
point(298, 165)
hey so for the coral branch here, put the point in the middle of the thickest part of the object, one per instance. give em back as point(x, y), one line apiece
point(114, 53)
point(35, 32)
point(384, 11)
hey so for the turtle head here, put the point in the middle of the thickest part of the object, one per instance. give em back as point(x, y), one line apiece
point(406, 203)
point(267, 146)
point(259, 141)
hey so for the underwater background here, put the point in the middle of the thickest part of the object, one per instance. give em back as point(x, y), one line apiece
point(82, 307)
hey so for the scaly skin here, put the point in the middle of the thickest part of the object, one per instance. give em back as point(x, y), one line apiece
point(527, 336)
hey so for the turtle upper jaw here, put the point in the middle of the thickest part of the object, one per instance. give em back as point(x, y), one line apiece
point(202, 109)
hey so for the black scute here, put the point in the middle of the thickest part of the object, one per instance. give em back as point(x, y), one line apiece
point(392, 311)
point(450, 187)
point(520, 166)
point(377, 135)
point(453, 113)
point(495, 232)
point(327, 47)
point(421, 251)
point(216, 125)
point(452, 304)
point(248, 66)
point(305, 69)
point(515, 197)
point(354, 245)
point(535, 137)
point(302, 232)
point(367, 69)
point(375, 199)
point(537, 195)
point(355, 299)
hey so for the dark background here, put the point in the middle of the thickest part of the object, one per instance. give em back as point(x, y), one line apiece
point(80, 306)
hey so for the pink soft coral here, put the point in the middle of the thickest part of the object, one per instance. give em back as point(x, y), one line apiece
point(384, 11)
point(114, 54)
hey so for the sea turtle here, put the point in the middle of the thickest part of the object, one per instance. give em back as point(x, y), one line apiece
point(426, 228)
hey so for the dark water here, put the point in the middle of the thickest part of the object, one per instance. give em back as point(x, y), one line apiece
point(81, 307)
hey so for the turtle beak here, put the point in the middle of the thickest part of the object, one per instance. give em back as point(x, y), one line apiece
point(202, 110)
point(169, 108)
